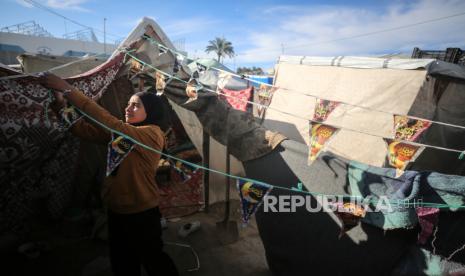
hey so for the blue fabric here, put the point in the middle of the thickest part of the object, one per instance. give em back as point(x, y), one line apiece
point(413, 186)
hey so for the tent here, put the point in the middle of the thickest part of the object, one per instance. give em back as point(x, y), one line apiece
point(273, 150)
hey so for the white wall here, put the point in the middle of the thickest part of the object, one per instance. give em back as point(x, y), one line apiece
point(55, 46)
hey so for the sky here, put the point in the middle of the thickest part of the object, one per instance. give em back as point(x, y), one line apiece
point(261, 31)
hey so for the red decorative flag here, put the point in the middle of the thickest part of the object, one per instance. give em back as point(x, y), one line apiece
point(237, 99)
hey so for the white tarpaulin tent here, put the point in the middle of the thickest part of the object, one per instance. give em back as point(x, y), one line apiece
point(367, 82)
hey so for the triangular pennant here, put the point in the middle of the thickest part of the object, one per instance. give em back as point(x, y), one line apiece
point(400, 154)
point(176, 66)
point(406, 128)
point(223, 79)
point(349, 215)
point(251, 195)
point(135, 66)
point(195, 75)
point(160, 83)
point(184, 172)
point(192, 88)
point(323, 108)
point(428, 218)
point(201, 68)
point(265, 94)
point(162, 50)
point(69, 115)
point(320, 135)
point(118, 149)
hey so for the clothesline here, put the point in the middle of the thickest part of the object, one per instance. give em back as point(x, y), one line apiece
point(371, 200)
point(301, 92)
point(295, 115)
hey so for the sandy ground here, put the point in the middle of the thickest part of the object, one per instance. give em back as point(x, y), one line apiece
point(89, 257)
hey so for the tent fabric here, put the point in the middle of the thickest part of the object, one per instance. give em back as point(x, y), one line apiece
point(38, 156)
point(357, 62)
point(388, 90)
point(446, 69)
point(416, 187)
point(225, 124)
point(292, 239)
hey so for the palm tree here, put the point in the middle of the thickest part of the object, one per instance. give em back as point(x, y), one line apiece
point(221, 47)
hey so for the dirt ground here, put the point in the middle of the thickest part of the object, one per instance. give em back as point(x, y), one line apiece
point(89, 257)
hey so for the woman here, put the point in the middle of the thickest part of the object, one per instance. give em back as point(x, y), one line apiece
point(129, 192)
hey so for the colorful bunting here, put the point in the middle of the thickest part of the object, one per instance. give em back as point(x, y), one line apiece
point(176, 66)
point(237, 99)
point(323, 108)
point(409, 129)
point(428, 219)
point(201, 68)
point(349, 215)
point(160, 82)
point(69, 115)
point(320, 135)
point(265, 94)
point(400, 154)
point(184, 171)
point(223, 79)
point(251, 195)
point(192, 88)
point(162, 50)
point(118, 149)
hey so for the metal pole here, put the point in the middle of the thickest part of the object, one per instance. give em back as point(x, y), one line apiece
point(206, 173)
point(228, 185)
point(105, 36)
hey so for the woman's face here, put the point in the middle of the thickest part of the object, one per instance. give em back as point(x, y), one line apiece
point(135, 111)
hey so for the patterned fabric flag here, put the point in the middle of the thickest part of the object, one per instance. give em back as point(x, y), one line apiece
point(192, 88)
point(201, 68)
point(223, 79)
point(184, 171)
point(160, 82)
point(162, 50)
point(118, 149)
point(428, 219)
point(69, 115)
point(237, 99)
point(409, 129)
point(176, 66)
point(265, 94)
point(323, 108)
point(349, 215)
point(251, 195)
point(320, 135)
point(400, 154)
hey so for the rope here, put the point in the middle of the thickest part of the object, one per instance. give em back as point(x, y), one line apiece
point(298, 116)
point(302, 92)
point(401, 203)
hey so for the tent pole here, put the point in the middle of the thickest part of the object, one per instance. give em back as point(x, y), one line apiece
point(228, 186)
point(206, 173)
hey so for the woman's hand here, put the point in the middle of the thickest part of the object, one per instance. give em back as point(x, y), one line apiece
point(58, 103)
point(54, 82)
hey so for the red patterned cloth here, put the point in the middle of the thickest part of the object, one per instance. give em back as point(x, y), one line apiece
point(37, 156)
point(238, 99)
point(179, 198)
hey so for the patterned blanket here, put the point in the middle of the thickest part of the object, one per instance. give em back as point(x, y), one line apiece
point(37, 156)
